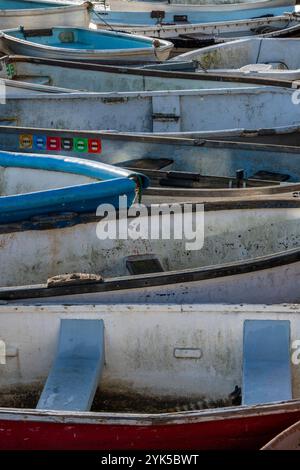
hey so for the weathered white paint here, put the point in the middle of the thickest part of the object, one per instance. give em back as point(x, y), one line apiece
point(20, 181)
point(101, 79)
point(64, 14)
point(235, 237)
point(139, 346)
point(200, 110)
point(2, 352)
point(269, 58)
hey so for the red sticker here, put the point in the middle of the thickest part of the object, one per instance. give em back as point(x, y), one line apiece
point(53, 143)
point(94, 146)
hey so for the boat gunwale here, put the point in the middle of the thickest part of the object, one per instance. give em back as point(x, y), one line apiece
point(74, 95)
point(151, 419)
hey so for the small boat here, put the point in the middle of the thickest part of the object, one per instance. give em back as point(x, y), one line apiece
point(43, 14)
point(34, 185)
point(241, 251)
point(289, 439)
point(269, 58)
point(187, 36)
point(178, 169)
point(182, 112)
point(84, 45)
point(162, 19)
point(147, 101)
point(178, 395)
point(107, 78)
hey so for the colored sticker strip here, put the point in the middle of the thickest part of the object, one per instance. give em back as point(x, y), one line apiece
point(80, 145)
point(52, 143)
point(94, 146)
point(40, 142)
point(25, 141)
point(66, 143)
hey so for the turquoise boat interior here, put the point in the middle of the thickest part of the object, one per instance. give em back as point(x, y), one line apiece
point(80, 38)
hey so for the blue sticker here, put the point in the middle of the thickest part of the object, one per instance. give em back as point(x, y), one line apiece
point(40, 142)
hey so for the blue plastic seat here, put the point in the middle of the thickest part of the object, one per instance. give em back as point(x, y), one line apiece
point(77, 368)
point(267, 373)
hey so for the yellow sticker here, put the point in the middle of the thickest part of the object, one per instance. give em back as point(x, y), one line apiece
point(26, 141)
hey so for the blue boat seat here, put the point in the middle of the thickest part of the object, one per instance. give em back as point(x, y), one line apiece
point(73, 379)
point(266, 362)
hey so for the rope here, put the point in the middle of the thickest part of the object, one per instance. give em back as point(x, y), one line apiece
point(102, 19)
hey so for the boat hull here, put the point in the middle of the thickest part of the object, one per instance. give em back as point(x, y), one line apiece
point(249, 433)
point(244, 272)
point(135, 16)
point(254, 57)
point(164, 330)
point(205, 169)
point(70, 15)
point(180, 113)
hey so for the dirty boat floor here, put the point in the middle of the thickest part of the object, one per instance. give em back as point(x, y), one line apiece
point(27, 398)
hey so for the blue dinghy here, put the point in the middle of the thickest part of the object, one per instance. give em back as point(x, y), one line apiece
point(84, 45)
point(34, 185)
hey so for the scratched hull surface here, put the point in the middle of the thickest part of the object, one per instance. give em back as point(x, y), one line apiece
point(248, 255)
point(284, 25)
point(269, 58)
point(178, 14)
point(158, 112)
point(131, 388)
point(41, 14)
point(107, 79)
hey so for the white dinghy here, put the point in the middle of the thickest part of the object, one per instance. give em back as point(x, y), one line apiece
point(269, 58)
point(240, 251)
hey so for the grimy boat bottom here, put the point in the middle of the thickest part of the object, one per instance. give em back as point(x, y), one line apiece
point(27, 397)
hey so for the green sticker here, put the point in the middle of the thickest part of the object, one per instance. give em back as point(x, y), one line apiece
point(10, 70)
point(80, 145)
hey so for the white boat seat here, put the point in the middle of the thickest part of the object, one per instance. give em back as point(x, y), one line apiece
point(267, 375)
point(256, 68)
point(73, 379)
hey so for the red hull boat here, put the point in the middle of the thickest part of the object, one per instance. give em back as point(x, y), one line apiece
point(173, 376)
point(229, 429)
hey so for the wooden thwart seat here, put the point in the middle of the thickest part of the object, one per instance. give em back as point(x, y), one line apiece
point(77, 368)
point(266, 362)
